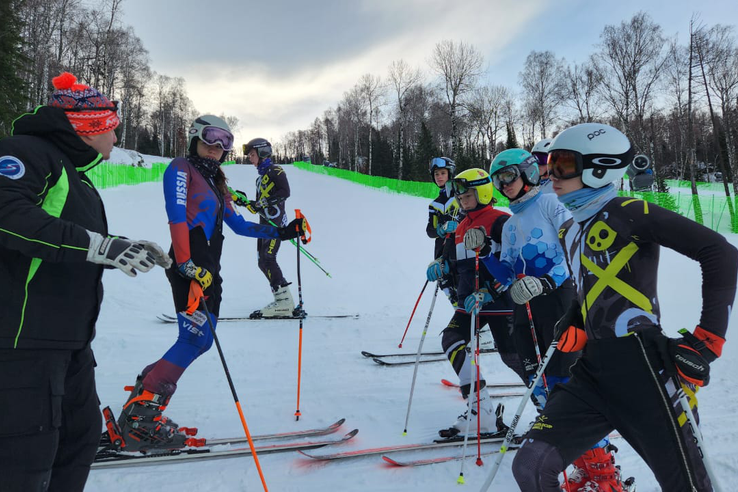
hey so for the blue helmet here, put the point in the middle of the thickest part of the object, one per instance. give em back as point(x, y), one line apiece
point(524, 163)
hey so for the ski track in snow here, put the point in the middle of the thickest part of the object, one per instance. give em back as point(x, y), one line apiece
point(374, 245)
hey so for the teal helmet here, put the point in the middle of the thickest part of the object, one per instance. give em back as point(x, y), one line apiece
point(520, 162)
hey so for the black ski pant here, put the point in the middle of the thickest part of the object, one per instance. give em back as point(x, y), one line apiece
point(617, 384)
point(268, 249)
point(457, 337)
point(546, 311)
point(50, 419)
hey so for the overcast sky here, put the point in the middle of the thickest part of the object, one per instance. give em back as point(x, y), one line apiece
point(278, 65)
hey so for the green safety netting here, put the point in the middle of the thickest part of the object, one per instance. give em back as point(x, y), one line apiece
point(712, 210)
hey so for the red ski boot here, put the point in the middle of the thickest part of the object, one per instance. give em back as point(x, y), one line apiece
point(595, 471)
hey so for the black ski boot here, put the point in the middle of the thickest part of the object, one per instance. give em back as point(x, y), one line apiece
point(142, 425)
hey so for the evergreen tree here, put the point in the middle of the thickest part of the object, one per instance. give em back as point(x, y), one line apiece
point(512, 141)
point(13, 99)
point(425, 150)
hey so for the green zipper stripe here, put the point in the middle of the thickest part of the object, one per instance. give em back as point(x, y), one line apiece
point(53, 205)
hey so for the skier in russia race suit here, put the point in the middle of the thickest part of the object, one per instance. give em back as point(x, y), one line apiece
point(272, 191)
point(443, 218)
point(197, 203)
point(54, 244)
point(629, 370)
point(473, 190)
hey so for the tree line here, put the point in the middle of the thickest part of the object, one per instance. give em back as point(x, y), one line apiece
point(678, 103)
point(41, 38)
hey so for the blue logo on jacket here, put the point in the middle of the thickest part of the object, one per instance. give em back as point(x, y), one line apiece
point(11, 167)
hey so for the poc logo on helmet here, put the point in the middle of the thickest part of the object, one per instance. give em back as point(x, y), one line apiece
point(595, 133)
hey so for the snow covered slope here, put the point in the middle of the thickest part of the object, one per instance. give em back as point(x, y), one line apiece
point(375, 247)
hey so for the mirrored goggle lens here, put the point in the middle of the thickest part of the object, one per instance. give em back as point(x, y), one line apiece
point(212, 135)
point(506, 176)
point(438, 162)
point(564, 164)
point(461, 186)
point(542, 158)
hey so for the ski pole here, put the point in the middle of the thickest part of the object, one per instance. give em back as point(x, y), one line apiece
point(298, 215)
point(524, 400)
point(413, 313)
point(233, 388)
point(417, 359)
point(697, 433)
point(535, 339)
point(307, 253)
point(473, 326)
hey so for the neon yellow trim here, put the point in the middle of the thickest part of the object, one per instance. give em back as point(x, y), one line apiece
point(12, 125)
point(453, 354)
point(35, 263)
point(608, 278)
point(645, 204)
point(57, 246)
point(92, 164)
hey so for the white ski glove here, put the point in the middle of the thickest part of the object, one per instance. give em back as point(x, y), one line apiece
point(526, 288)
point(120, 253)
point(160, 257)
point(475, 239)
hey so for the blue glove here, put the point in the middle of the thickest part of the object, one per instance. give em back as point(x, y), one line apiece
point(470, 303)
point(446, 228)
point(436, 270)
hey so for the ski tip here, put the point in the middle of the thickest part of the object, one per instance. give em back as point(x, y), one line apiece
point(389, 460)
point(379, 361)
point(367, 354)
point(339, 423)
point(351, 434)
point(446, 382)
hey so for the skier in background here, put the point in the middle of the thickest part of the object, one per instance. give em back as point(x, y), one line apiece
point(629, 371)
point(54, 246)
point(540, 152)
point(443, 219)
point(198, 203)
point(272, 191)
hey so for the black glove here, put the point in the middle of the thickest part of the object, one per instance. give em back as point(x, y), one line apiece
point(687, 357)
point(294, 229)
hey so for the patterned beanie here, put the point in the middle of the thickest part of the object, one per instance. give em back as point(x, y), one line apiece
point(89, 112)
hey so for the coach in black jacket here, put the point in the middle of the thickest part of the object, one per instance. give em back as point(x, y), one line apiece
point(54, 244)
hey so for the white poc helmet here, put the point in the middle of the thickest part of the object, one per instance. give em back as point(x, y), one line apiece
point(603, 153)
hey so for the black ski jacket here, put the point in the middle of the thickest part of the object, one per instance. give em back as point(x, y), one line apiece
point(50, 295)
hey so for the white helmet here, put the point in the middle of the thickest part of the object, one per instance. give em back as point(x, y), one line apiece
point(602, 152)
point(542, 146)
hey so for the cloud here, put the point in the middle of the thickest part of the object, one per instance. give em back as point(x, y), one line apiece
point(280, 65)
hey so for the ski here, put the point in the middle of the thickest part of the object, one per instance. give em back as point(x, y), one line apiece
point(165, 318)
point(495, 437)
point(386, 363)
point(440, 459)
point(409, 354)
point(207, 453)
point(450, 384)
point(322, 431)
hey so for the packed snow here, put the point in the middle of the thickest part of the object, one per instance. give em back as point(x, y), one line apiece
point(375, 247)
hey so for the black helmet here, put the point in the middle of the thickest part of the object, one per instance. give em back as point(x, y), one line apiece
point(442, 163)
point(262, 146)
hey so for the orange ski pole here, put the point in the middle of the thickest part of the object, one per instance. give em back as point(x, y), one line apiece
point(233, 388)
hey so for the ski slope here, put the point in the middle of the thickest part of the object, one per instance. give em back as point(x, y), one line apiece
point(375, 247)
